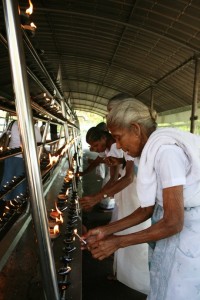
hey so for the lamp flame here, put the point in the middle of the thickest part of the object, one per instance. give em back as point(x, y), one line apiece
point(54, 232)
point(57, 209)
point(29, 10)
point(52, 160)
point(33, 25)
point(59, 220)
point(56, 229)
point(55, 213)
point(11, 204)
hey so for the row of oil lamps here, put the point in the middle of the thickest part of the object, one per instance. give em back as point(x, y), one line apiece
point(66, 206)
point(10, 211)
point(9, 151)
point(8, 186)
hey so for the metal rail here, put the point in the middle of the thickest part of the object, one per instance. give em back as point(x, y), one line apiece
point(23, 108)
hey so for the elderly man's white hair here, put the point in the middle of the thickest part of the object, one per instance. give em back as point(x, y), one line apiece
point(130, 110)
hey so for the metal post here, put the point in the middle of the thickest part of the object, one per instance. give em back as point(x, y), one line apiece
point(75, 139)
point(76, 145)
point(195, 96)
point(69, 150)
point(44, 136)
point(24, 113)
point(152, 97)
point(66, 131)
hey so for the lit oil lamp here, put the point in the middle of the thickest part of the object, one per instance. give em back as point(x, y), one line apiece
point(11, 206)
point(56, 221)
point(62, 201)
point(25, 23)
point(62, 197)
point(52, 160)
point(52, 223)
point(55, 213)
point(8, 212)
point(63, 285)
point(59, 220)
point(54, 232)
point(6, 186)
point(5, 217)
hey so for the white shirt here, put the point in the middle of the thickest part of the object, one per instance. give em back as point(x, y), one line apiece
point(172, 168)
point(128, 157)
point(15, 141)
point(148, 173)
point(114, 151)
point(102, 154)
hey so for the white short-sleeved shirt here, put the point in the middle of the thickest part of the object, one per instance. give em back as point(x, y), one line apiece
point(15, 140)
point(172, 169)
point(128, 157)
point(114, 151)
point(102, 154)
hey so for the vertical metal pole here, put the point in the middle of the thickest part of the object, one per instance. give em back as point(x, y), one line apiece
point(195, 96)
point(74, 136)
point(68, 151)
point(152, 97)
point(66, 131)
point(24, 113)
point(44, 138)
point(75, 142)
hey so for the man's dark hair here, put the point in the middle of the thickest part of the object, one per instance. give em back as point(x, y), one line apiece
point(94, 134)
point(102, 126)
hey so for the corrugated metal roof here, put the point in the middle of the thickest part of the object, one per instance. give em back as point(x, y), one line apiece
point(101, 48)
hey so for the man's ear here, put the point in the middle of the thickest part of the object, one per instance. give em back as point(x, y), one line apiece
point(135, 127)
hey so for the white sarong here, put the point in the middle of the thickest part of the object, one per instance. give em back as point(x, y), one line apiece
point(175, 261)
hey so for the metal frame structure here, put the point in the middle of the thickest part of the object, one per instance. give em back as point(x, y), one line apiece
point(88, 51)
point(25, 119)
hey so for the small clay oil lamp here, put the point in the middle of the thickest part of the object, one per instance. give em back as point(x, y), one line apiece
point(55, 213)
point(69, 248)
point(51, 223)
point(54, 232)
point(62, 197)
point(64, 270)
point(62, 201)
point(8, 212)
point(63, 285)
point(69, 240)
point(66, 259)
